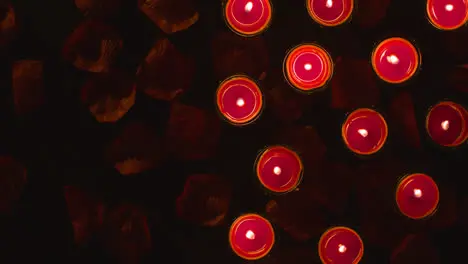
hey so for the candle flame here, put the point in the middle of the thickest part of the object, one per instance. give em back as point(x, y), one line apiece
point(277, 170)
point(417, 193)
point(393, 59)
point(240, 102)
point(307, 66)
point(445, 125)
point(329, 3)
point(363, 132)
point(250, 235)
point(248, 7)
point(341, 248)
point(449, 7)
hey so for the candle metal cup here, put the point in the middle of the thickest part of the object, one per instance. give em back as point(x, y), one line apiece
point(417, 196)
point(364, 131)
point(446, 124)
point(279, 169)
point(330, 13)
point(239, 100)
point(447, 14)
point(395, 60)
point(340, 245)
point(248, 17)
point(251, 237)
point(308, 67)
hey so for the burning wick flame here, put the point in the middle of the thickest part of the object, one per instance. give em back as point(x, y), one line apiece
point(277, 170)
point(445, 125)
point(248, 7)
point(329, 3)
point(393, 59)
point(307, 66)
point(250, 235)
point(341, 248)
point(240, 102)
point(417, 193)
point(363, 132)
point(449, 7)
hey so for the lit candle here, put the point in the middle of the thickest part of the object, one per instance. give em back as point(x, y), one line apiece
point(251, 237)
point(248, 17)
point(447, 14)
point(446, 124)
point(340, 245)
point(330, 12)
point(279, 169)
point(417, 196)
point(239, 100)
point(395, 60)
point(364, 131)
point(308, 67)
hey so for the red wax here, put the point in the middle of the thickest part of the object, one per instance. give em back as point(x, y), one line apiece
point(447, 14)
point(446, 124)
point(239, 100)
point(308, 67)
point(279, 169)
point(340, 245)
point(395, 60)
point(330, 12)
point(251, 237)
point(364, 131)
point(248, 17)
point(417, 196)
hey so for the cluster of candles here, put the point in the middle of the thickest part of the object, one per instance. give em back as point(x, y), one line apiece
point(309, 67)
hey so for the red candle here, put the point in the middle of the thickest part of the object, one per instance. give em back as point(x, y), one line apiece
point(248, 17)
point(446, 124)
point(239, 100)
point(447, 14)
point(330, 12)
point(417, 196)
point(251, 237)
point(279, 169)
point(364, 131)
point(340, 245)
point(395, 60)
point(308, 67)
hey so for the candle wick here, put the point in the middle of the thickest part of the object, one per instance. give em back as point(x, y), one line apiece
point(417, 193)
point(250, 235)
point(363, 132)
point(449, 7)
point(329, 3)
point(393, 59)
point(341, 248)
point(445, 125)
point(248, 7)
point(307, 66)
point(240, 102)
point(277, 170)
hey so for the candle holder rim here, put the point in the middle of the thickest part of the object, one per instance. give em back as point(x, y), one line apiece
point(331, 229)
point(320, 22)
point(438, 27)
point(247, 35)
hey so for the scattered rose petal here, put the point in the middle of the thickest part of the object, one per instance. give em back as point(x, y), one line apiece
point(28, 86)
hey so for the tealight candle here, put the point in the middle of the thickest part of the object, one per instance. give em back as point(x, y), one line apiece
point(417, 196)
point(395, 60)
point(248, 17)
point(251, 237)
point(279, 169)
point(447, 14)
point(330, 12)
point(446, 124)
point(364, 131)
point(340, 245)
point(308, 67)
point(239, 100)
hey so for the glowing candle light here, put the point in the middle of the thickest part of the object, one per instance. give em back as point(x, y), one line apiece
point(279, 169)
point(417, 196)
point(446, 124)
point(248, 18)
point(395, 60)
point(330, 12)
point(308, 67)
point(364, 131)
point(239, 100)
point(340, 245)
point(447, 14)
point(251, 237)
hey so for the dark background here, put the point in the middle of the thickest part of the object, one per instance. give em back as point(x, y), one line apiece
point(60, 144)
